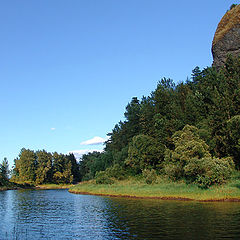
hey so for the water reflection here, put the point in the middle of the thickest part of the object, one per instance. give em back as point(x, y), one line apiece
point(151, 219)
point(57, 214)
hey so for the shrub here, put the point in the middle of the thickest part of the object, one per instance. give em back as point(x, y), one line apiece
point(116, 171)
point(149, 175)
point(188, 146)
point(144, 152)
point(103, 178)
point(192, 161)
point(209, 171)
point(173, 171)
point(111, 173)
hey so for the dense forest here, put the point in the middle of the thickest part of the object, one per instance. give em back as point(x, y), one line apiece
point(188, 131)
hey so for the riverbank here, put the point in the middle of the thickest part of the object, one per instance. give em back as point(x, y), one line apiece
point(54, 186)
point(15, 186)
point(165, 190)
point(22, 186)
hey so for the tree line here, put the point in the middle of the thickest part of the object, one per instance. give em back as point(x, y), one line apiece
point(189, 131)
point(43, 167)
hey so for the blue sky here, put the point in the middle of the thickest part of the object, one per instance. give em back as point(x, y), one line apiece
point(69, 68)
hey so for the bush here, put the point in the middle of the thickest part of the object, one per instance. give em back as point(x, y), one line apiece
point(116, 171)
point(192, 161)
point(111, 173)
point(149, 175)
point(206, 172)
point(103, 178)
point(145, 152)
point(173, 171)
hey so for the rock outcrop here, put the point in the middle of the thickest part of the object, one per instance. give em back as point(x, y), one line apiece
point(227, 37)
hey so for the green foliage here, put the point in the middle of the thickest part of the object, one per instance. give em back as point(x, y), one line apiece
point(94, 162)
point(26, 165)
point(110, 174)
point(62, 168)
point(150, 176)
point(75, 173)
point(233, 138)
point(173, 171)
point(209, 171)
point(146, 116)
point(192, 161)
point(119, 157)
point(144, 152)
point(116, 171)
point(58, 177)
point(102, 177)
point(4, 172)
point(42, 167)
point(188, 145)
point(4, 169)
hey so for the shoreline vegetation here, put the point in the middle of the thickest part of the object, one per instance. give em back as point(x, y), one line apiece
point(15, 186)
point(24, 186)
point(54, 186)
point(163, 189)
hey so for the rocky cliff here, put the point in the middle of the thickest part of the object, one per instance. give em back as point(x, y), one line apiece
point(227, 37)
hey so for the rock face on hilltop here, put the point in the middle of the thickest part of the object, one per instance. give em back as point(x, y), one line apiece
point(227, 37)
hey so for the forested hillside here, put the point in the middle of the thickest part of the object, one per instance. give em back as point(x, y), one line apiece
point(189, 130)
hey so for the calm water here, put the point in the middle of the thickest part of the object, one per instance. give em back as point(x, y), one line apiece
point(57, 214)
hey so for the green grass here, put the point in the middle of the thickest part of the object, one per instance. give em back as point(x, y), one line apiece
point(9, 185)
point(164, 189)
point(54, 186)
point(23, 185)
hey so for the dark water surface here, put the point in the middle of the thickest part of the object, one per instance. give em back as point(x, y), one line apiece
point(57, 214)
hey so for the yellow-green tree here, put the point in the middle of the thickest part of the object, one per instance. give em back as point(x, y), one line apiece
point(44, 167)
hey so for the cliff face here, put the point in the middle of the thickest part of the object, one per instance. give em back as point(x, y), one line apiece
point(227, 37)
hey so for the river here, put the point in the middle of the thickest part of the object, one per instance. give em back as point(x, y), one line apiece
point(58, 214)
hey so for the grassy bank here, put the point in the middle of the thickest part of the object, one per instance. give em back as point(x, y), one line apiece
point(15, 186)
point(22, 185)
point(54, 186)
point(163, 189)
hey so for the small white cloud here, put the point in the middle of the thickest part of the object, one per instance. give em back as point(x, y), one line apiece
point(79, 153)
point(53, 129)
point(94, 141)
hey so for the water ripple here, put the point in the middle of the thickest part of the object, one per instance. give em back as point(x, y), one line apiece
point(57, 214)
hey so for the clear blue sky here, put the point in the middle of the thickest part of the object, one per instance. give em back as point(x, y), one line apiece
point(69, 68)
